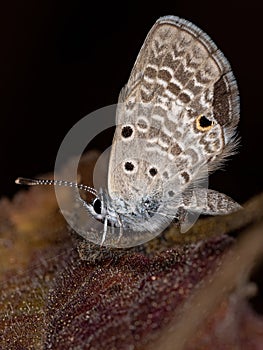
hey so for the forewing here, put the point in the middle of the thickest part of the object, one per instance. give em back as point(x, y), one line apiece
point(179, 77)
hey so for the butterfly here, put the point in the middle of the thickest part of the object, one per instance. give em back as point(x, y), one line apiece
point(176, 122)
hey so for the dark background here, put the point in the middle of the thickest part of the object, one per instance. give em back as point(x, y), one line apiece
point(61, 60)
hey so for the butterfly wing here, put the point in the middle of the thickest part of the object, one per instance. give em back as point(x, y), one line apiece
point(176, 116)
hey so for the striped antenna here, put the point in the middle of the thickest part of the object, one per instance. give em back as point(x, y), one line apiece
point(43, 182)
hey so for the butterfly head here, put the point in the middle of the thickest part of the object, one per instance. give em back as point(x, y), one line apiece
point(118, 212)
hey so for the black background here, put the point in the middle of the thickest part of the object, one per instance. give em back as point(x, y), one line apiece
point(61, 60)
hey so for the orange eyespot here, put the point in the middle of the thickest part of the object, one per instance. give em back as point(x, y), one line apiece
point(203, 123)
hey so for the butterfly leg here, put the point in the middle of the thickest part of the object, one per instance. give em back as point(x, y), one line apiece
point(105, 227)
point(121, 229)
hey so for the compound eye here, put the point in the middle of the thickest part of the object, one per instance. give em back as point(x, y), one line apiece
point(97, 205)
